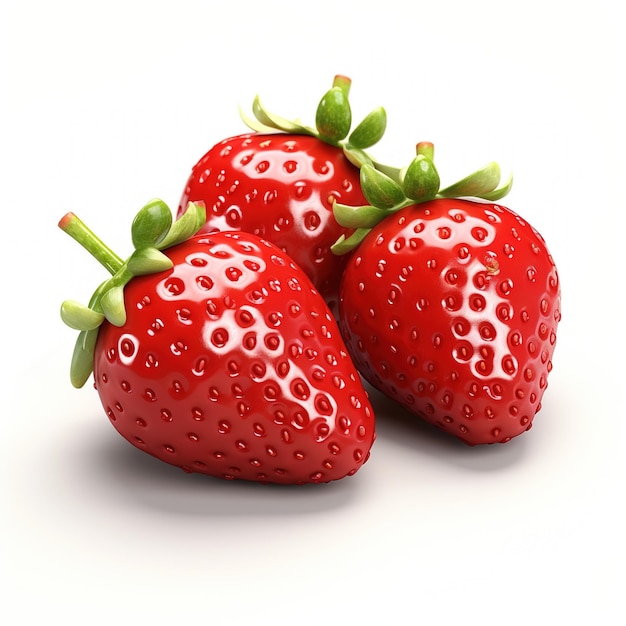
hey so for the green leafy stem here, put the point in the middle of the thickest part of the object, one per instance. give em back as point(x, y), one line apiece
point(333, 122)
point(152, 230)
point(389, 190)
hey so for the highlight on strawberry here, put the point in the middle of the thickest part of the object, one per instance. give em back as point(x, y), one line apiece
point(281, 180)
point(449, 303)
point(216, 354)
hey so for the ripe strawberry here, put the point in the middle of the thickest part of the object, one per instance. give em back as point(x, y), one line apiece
point(280, 182)
point(226, 361)
point(451, 307)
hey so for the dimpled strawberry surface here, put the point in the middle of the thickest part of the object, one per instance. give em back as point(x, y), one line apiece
point(451, 307)
point(280, 187)
point(231, 365)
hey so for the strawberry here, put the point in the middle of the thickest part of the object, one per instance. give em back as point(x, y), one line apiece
point(218, 356)
point(281, 181)
point(450, 306)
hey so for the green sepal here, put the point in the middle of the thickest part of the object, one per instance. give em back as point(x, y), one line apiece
point(358, 216)
point(81, 366)
point(333, 117)
point(356, 156)
point(254, 124)
point(187, 225)
point(477, 184)
point(151, 224)
point(421, 179)
point(344, 244)
point(273, 122)
point(152, 231)
point(379, 189)
point(332, 125)
point(80, 317)
point(500, 192)
point(148, 261)
point(395, 173)
point(112, 304)
point(370, 131)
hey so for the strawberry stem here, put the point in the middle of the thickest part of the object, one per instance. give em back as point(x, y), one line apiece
point(333, 121)
point(343, 82)
point(152, 231)
point(425, 148)
point(389, 190)
point(80, 232)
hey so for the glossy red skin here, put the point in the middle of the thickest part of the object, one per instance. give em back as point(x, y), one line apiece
point(451, 307)
point(280, 187)
point(230, 364)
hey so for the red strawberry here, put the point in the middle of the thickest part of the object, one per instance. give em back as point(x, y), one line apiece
point(282, 186)
point(227, 363)
point(451, 307)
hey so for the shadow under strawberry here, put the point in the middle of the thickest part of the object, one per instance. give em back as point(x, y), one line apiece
point(400, 427)
point(145, 483)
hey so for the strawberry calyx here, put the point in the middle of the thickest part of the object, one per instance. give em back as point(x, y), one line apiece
point(333, 122)
point(389, 190)
point(152, 231)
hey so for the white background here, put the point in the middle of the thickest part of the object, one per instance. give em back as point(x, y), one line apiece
point(106, 105)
